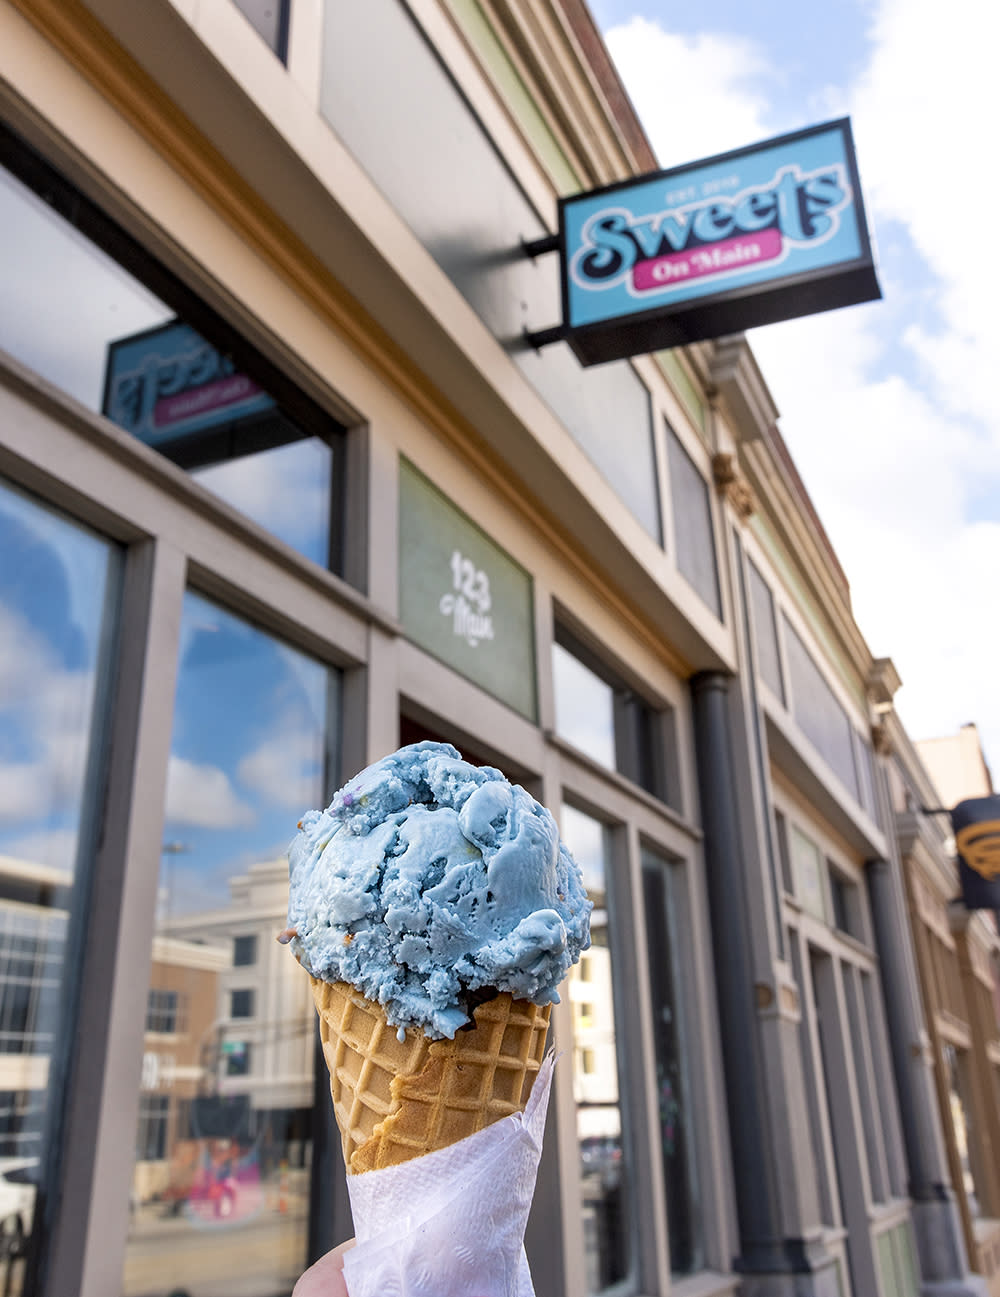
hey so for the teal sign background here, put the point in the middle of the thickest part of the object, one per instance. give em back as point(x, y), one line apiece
point(463, 598)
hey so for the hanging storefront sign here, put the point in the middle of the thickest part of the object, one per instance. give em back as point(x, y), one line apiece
point(746, 238)
point(461, 597)
point(167, 384)
point(976, 825)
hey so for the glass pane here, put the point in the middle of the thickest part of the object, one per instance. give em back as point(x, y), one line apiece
point(604, 1164)
point(863, 1057)
point(268, 19)
point(286, 489)
point(819, 1128)
point(223, 1150)
point(814, 705)
point(807, 866)
point(119, 350)
point(781, 833)
point(673, 1090)
point(765, 632)
point(585, 713)
point(693, 535)
point(866, 774)
point(57, 588)
point(67, 344)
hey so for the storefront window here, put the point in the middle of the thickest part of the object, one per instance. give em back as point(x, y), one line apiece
point(58, 585)
point(672, 1089)
point(128, 352)
point(605, 1165)
point(223, 1151)
point(603, 716)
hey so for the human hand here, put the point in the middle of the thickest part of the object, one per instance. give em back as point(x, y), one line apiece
point(326, 1277)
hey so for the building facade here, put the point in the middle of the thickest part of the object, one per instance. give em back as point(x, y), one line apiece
point(282, 486)
point(958, 955)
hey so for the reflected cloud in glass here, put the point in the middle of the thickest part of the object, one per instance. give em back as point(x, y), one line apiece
point(286, 489)
point(584, 707)
point(54, 581)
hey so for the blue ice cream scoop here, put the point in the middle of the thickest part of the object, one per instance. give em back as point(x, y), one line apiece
point(428, 880)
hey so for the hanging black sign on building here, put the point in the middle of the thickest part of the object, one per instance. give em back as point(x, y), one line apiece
point(976, 825)
point(760, 234)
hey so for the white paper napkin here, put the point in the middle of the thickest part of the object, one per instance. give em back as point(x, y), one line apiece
point(451, 1223)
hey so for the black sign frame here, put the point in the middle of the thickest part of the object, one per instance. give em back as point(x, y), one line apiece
point(733, 309)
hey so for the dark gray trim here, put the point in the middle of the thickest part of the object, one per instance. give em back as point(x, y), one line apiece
point(762, 1249)
point(904, 1032)
point(759, 737)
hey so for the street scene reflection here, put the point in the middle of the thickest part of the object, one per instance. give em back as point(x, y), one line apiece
point(604, 1169)
point(56, 623)
point(223, 1144)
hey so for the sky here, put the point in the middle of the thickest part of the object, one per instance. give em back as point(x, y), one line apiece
point(888, 408)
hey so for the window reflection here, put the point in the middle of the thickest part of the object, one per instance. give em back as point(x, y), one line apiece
point(286, 489)
point(604, 1164)
point(672, 1088)
point(57, 586)
point(693, 533)
point(584, 707)
point(601, 715)
point(120, 350)
point(65, 343)
point(223, 1149)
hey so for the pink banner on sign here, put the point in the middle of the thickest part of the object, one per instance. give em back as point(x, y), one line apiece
point(710, 259)
point(200, 400)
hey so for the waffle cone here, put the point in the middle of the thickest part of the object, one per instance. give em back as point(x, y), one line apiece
point(395, 1100)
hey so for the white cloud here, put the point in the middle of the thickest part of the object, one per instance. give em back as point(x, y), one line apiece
point(693, 93)
point(203, 796)
point(285, 770)
point(53, 847)
point(46, 718)
point(285, 489)
point(23, 786)
point(923, 114)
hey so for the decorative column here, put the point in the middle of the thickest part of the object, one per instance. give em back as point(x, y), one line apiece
point(771, 1263)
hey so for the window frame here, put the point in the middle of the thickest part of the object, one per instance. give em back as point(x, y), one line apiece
point(636, 823)
point(302, 413)
point(873, 1167)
